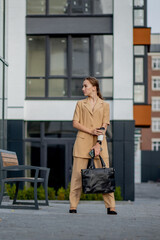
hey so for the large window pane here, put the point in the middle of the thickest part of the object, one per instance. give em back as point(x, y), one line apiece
point(102, 6)
point(138, 50)
point(139, 94)
point(35, 87)
point(35, 56)
point(81, 6)
point(58, 6)
point(80, 57)
point(103, 56)
point(35, 7)
point(106, 87)
point(138, 3)
point(138, 69)
point(58, 57)
point(139, 17)
point(32, 129)
point(76, 87)
point(57, 87)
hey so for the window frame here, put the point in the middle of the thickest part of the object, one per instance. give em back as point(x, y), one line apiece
point(69, 76)
point(155, 78)
point(69, 12)
point(155, 126)
point(144, 8)
point(158, 100)
point(156, 68)
point(156, 141)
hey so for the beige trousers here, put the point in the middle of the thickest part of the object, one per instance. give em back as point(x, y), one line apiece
point(76, 183)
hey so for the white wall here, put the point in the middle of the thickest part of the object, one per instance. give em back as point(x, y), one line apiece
point(16, 58)
point(123, 60)
point(51, 110)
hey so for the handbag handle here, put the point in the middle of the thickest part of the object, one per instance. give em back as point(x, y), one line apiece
point(91, 164)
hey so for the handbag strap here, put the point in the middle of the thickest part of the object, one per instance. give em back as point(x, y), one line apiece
point(92, 165)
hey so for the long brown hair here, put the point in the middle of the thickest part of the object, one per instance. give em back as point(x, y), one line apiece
point(95, 83)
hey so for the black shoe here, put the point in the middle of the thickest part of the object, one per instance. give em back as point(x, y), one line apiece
point(72, 211)
point(111, 212)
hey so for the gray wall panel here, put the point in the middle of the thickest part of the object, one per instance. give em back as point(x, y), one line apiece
point(69, 25)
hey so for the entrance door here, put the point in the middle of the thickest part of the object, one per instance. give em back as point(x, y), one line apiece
point(58, 157)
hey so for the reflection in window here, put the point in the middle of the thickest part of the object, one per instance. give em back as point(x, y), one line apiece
point(58, 59)
point(138, 50)
point(58, 6)
point(32, 129)
point(156, 144)
point(59, 129)
point(35, 7)
point(156, 83)
point(139, 94)
point(76, 87)
point(35, 56)
point(80, 56)
point(138, 69)
point(81, 6)
point(103, 56)
point(35, 87)
point(139, 17)
point(106, 87)
point(57, 87)
point(138, 3)
point(156, 63)
point(102, 6)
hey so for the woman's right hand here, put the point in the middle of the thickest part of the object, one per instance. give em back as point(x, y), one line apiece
point(97, 132)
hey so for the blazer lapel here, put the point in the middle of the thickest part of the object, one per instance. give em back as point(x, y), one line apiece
point(98, 104)
point(88, 106)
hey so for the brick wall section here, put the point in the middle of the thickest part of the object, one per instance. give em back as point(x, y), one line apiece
point(147, 135)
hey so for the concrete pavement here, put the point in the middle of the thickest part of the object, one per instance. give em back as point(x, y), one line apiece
point(135, 220)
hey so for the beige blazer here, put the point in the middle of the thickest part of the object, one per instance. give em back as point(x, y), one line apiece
point(91, 119)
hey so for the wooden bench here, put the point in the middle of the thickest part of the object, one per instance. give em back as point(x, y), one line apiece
point(9, 163)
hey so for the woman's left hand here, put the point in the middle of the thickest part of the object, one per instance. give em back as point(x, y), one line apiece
point(97, 149)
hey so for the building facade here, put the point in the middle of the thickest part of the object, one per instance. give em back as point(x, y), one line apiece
point(53, 45)
point(152, 142)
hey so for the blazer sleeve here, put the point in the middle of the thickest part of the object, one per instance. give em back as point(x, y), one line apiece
point(76, 115)
point(106, 113)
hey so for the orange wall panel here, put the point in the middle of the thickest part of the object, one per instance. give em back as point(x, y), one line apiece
point(141, 36)
point(142, 115)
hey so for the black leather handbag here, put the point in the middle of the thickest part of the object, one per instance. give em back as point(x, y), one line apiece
point(98, 180)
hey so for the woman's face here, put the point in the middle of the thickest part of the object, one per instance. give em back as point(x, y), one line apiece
point(88, 88)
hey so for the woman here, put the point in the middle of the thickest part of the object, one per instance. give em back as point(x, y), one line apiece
point(90, 114)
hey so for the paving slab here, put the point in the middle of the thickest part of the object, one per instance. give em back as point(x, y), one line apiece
point(135, 220)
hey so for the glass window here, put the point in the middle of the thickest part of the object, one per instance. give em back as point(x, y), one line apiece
point(156, 144)
point(138, 70)
point(80, 56)
point(138, 3)
point(35, 87)
point(76, 87)
point(106, 87)
point(35, 56)
point(59, 129)
point(139, 94)
point(155, 124)
point(81, 6)
point(139, 17)
point(58, 7)
point(103, 56)
point(138, 50)
point(102, 6)
point(156, 104)
point(57, 87)
point(156, 83)
point(35, 7)
point(58, 56)
point(156, 63)
point(32, 129)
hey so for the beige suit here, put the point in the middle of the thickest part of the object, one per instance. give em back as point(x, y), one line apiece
point(83, 144)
